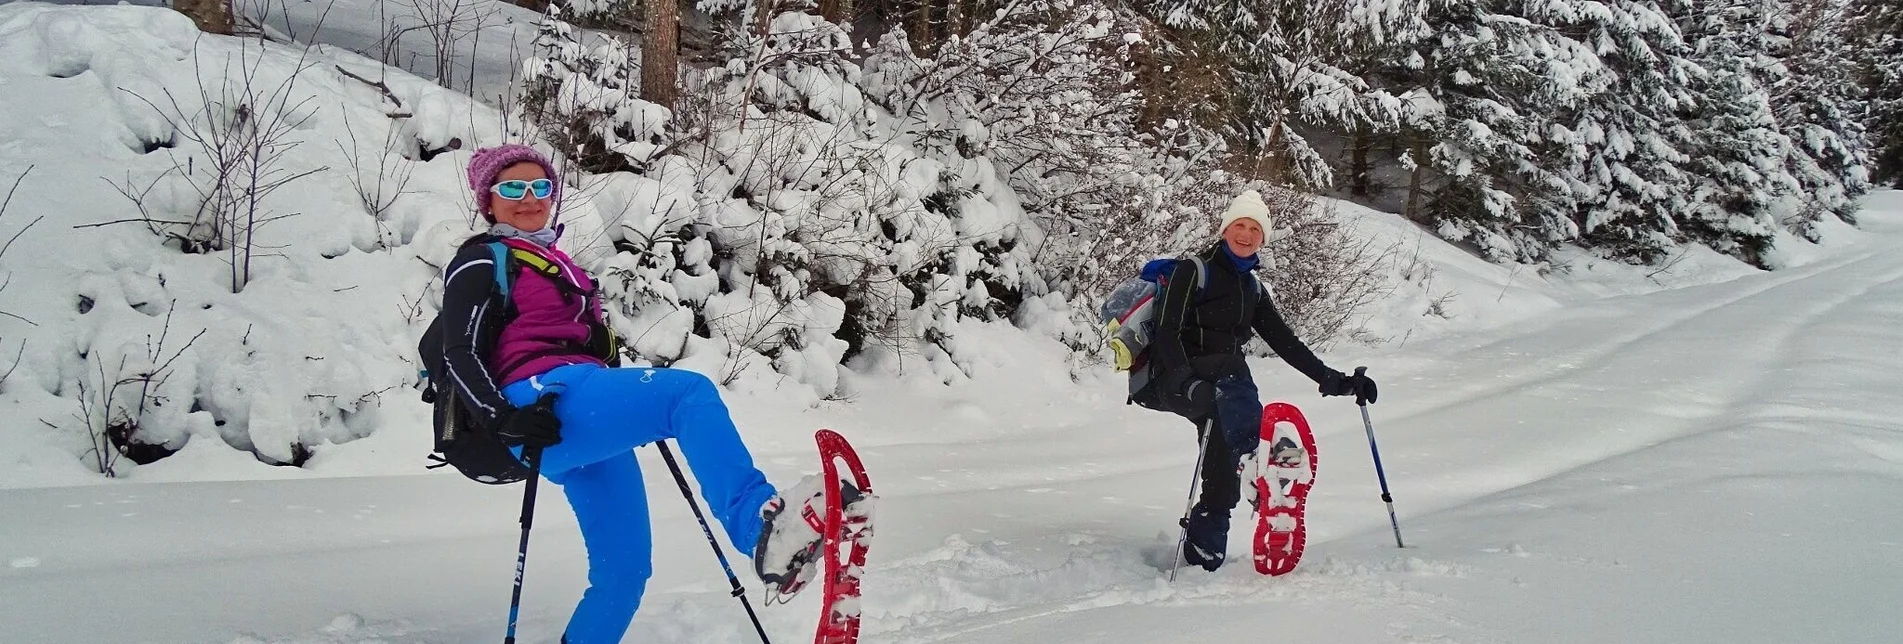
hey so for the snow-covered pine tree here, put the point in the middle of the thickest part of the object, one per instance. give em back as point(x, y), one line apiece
point(1623, 143)
point(1474, 87)
point(1814, 95)
point(1284, 81)
point(794, 196)
point(1739, 158)
point(1385, 33)
point(1876, 28)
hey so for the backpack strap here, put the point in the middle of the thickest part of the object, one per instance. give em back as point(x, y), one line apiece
point(1202, 276)
point(536, 262)
point(501, 253)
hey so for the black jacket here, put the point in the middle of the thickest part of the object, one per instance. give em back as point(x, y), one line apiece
point(472, 319)
point(1201, 333)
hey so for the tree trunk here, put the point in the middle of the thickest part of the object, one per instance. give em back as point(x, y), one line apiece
point(211, 16)
point(921, 28)
point(660, 53)
point(1418, 155)
point(1272, 165)
point(1358, 167)
point(838, 12)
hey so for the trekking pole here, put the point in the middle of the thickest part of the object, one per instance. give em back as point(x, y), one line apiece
point(1378, 472)
point(738, 592)
point(534, 457)
point(1195, 476)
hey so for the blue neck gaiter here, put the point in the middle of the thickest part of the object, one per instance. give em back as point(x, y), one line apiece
point(1245, 264)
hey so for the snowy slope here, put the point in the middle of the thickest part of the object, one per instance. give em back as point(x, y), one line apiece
point(483, 39)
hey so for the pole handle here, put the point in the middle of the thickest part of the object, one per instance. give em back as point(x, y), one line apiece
point(1361, 398)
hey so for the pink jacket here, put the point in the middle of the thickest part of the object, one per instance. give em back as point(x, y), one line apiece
point(551, 323)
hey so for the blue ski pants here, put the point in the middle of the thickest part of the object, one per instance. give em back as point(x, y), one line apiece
point(605, 414)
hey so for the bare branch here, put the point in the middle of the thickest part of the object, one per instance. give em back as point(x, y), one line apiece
point(131, 221)
point(10, 191)
point(22, 231)
point(379, 85)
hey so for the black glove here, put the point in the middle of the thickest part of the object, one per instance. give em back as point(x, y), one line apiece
point(1170, 380)
point(1182, 384)
point(1359, 385)
point(532, 426)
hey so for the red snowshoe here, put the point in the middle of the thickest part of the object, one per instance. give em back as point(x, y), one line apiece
point(846, 538)
point(1285, 473)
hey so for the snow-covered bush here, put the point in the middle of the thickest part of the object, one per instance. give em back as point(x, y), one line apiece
point(767, 219)
point(1048, 94)
point(797, 208)
point(249, 296)
point(584, 99)
point(236, 138)
point(1321, 275)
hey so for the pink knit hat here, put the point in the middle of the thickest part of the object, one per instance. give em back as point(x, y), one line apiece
point(490, 162)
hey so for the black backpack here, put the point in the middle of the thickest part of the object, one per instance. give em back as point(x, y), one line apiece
point(469, 446)
point(461, 441)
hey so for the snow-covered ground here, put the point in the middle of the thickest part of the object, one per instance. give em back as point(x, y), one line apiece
point(1711, 463)
point(1695, 453)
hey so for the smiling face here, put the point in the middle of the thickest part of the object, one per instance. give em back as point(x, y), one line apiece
point(528, 215)
point(1244, 237)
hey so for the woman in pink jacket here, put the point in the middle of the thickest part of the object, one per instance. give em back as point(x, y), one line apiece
point(502, 355)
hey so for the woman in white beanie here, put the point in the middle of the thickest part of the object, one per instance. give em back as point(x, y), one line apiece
point(1201, 373)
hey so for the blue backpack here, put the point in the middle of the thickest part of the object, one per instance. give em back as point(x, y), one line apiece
point(1128, 315)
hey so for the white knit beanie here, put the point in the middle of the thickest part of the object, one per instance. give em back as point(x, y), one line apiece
point(1247, 205)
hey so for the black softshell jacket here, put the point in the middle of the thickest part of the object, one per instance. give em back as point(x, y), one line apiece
point(1201, 333)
